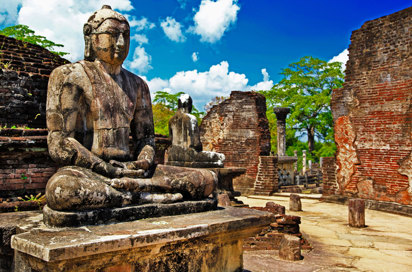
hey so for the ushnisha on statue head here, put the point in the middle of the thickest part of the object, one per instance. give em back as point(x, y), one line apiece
point(106, 36)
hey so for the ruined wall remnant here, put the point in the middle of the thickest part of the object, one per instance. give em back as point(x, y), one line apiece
point(239, 129)
point(373, 113)
point(24, 73)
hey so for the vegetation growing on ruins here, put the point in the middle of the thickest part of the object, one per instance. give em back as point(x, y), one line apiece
point(25, 34)
point(306, 88)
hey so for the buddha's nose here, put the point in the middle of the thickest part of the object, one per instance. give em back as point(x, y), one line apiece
point(120, 41)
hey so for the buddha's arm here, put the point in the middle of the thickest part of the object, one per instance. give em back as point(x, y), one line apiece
point(65, 99)
point(143, 129)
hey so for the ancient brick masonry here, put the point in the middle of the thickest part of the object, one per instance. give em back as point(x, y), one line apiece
point(329, 176)
point(267, 176)
point(239, 129)
point(373, 112)
point(24, 73)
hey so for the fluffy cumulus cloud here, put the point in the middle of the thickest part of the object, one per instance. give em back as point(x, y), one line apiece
point(203, 86)
point(342, 57)
point(264, 85)
point(9, 11)
point(140, 38)
point(173, 29)
point(195, 56)
point(141, 24)
point(141, 61)
point(66, 24)
point(214, 18)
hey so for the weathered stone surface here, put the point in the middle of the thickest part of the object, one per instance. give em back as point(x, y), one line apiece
point(93, 106)
point(372, 113)
point(210, 241)
point(356, 213)
point(239, 129)
point(23, 85)
point(281, 114)
point(290, 248)
point(129, 213)
point(295, 204)
point(223, 200)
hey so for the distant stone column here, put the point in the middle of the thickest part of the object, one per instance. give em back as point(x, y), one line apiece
point(356, 215)
point(281, 114)
point(295, 204)
point(303, 162)
point(310, 166)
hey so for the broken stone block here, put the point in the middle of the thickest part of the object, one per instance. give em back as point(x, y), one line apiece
point(356, 216)
point(223, 200)
point(290, 248)
point(294, 203)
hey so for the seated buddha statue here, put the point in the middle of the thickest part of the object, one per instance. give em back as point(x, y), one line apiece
point(93, 106)
point(186, 147)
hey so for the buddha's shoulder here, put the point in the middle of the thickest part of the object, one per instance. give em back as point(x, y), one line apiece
point(67, 71)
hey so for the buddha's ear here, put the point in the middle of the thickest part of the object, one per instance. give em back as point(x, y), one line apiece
point(88, 51)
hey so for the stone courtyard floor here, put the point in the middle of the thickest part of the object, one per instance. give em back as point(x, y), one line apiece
point(384, 245)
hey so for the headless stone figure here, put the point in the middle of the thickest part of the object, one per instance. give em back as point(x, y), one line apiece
point(92, 108)
point(186, 148)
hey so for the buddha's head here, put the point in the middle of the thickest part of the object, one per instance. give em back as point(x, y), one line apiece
point(185, 103)
point(106, 36)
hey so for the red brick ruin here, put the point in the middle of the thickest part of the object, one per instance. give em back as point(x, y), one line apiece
point(238, 128)
point(373, 115)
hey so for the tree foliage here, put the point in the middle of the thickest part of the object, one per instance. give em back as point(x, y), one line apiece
point(306, 88)
point(25, 34)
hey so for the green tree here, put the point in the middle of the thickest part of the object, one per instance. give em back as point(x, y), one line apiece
point(306, 88)
point(25, 34)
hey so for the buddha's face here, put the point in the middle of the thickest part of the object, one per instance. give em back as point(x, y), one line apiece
point(110, 41)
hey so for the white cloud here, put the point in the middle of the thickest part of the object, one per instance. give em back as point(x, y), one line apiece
point(203, 86)
point(264, 85)
point(141, 61)
point(342, 57)
point(182, 3)
point(195, 56)
point(142, 24)
point(172, 29)
point(9, 11)
point(140, 38)
point(66, 24)
point(214, 18)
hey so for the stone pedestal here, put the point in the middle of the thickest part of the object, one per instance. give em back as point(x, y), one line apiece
point(295, 204)
point(356, 215)
point(208, 241)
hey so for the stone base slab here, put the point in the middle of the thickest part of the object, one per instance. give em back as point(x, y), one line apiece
point(208, 241)
point(129, 213)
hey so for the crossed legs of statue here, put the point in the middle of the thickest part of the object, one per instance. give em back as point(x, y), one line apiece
point(77, 188)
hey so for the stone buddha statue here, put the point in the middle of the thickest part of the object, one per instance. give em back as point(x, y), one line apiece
point(93, 106)
point(186, 148)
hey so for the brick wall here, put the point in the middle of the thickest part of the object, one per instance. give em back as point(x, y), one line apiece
point(238, 128)
point(267, 177)
point(24, 73)
point(328, 176)
point(373, 112)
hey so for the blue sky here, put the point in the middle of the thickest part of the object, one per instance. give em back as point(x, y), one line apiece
point(209, 47)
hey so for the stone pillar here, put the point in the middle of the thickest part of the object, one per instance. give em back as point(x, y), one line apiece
point(290, 248)
point(356, 214)
point(310, 166)
point(281, 114)
point(295, 165)
point(295, 203)
point(303, 162)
